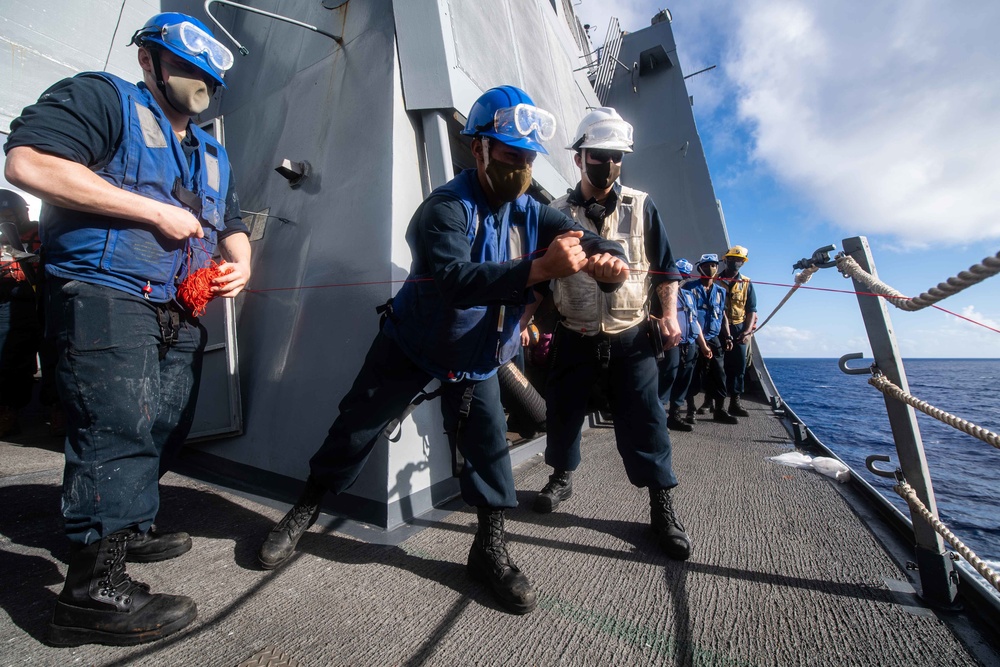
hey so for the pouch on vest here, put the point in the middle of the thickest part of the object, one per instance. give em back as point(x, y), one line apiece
point(655, 337)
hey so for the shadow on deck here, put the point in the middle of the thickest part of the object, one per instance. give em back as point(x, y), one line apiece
point(783, 572)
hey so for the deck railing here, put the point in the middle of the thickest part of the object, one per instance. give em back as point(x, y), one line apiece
point(938, 577)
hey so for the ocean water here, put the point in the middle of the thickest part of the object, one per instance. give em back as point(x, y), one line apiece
point(848, 416)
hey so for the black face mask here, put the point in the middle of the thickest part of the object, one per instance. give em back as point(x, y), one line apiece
point(603, 174)
point(733, 265)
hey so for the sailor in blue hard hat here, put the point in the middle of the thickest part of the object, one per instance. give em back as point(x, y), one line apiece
point(136, 197)
point(475, 256)
point(677, 368)
point(508, 131)
point(710, 299)
point(187, 61)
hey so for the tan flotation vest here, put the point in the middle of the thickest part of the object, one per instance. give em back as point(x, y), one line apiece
point(736, 303)
point(585, 308)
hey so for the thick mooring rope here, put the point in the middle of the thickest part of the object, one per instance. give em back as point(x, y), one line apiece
point(801, 278)
point(977, 273)
point(907, 493)
point(882, 383)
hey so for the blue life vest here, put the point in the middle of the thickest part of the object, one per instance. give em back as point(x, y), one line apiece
point(128, 255)
point(687, 316)
point(464, 343)
point(710, 305)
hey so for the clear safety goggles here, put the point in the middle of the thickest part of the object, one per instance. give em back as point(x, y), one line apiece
point(193, 40)
point(522, 119)
point(607, 132)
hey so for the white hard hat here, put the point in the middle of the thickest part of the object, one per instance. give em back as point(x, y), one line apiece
point(603, 128)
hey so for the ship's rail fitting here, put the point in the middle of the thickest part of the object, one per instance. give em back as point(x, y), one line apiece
point(917, 508)
point(976, 273)
point(809, 265)
point(938, 578)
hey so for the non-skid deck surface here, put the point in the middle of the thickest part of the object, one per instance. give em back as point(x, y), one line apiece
point(782, 573)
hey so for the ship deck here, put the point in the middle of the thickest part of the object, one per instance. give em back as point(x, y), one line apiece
point(783, 572)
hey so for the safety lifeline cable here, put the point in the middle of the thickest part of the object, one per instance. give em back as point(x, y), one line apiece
point(907, 493)
point(977, 273)
point(883, 384)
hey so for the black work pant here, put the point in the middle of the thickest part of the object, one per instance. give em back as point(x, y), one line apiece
point(710, 374)
point(676, 372)
point(640, 422)
point(385, 385)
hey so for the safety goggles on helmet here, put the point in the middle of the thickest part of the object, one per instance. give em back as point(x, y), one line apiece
point(608, 133)
point(191, 39)
point(685, 267)
point(522, 119)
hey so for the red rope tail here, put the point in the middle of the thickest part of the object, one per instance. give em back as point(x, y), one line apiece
point(196, 290)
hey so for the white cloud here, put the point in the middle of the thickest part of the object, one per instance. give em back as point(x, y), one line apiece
point(976, 316)
point(882, 118)
point(885, 116)
point(777, 340)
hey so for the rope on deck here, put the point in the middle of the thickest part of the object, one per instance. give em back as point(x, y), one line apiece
point(883, 384)
point(906, 491)
point(977, 273)
point(801, 278)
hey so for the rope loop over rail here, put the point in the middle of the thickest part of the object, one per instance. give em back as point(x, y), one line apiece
point(883, 384)
point(907, 493)
point(977, 273)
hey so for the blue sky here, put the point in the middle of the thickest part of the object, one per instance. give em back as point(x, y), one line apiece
point(824, 121)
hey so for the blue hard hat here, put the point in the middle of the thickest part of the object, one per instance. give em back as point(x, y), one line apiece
point(531, 126)
point(708, 257)
point(684, 266)
point(189, 39)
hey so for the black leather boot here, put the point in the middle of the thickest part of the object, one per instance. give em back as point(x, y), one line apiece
point(675, 423)
point(153, 546)
point(720, 414)
point(689, 417)
point(736, 408)
point(559, 488)
point(281, 541)
point(101, 604)
point(490, 563)
point(665, 524)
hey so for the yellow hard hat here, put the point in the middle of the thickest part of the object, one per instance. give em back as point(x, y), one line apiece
point(738, 252)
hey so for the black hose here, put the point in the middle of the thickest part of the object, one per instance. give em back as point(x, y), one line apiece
point(525, 406)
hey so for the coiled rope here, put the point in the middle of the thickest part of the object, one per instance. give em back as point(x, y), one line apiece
point(907, 493)
point(883, 384)
point(977, 273)
point(801, 278)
